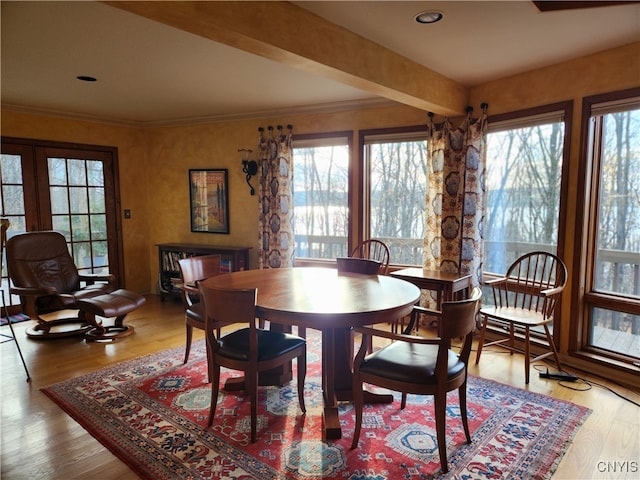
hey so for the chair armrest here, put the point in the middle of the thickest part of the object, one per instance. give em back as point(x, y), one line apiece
point(496, 282)
point(418, 310)
point(33, 291)
point(369, 331)
point(190, 289)
point(549, 292)
point(190, 293)
point(29, 295)
point(426, 311)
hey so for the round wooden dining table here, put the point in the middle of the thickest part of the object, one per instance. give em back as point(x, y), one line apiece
point(332, 302)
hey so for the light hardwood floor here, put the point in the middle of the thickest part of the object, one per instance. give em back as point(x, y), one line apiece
point(39, 441)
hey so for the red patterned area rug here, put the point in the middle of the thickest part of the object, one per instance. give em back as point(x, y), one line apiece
point(151, 413)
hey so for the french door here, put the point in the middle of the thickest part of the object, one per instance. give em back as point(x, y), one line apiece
point(68, 188)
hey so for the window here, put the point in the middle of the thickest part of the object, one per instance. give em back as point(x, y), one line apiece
point(526, 157)
point(320, 195)
point(611, 310)
point(339, 202)
point(525, 160)
point(395, 166)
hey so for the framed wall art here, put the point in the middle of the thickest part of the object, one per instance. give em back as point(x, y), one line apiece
point(209, 200)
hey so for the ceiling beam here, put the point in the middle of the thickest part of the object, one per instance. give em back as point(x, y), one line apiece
point(286, 33)
point(556, 5)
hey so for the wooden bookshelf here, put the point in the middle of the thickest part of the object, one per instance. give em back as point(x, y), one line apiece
point(233, 259)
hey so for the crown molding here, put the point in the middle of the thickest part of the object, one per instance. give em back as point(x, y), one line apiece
point(333, 107)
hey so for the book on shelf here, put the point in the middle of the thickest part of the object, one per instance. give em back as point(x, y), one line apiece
point(170, 260)
point(226, 265)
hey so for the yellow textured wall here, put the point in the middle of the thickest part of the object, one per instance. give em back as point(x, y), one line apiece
point(615, 69)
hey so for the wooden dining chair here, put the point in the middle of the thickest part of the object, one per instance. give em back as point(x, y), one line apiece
point(249, 349)
point(357, 265)
point(374, 249)
point(363, 266)
point(419, 365)
point(525, 299)
point(192, 271)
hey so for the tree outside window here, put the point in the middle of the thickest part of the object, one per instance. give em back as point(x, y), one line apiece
point(523, 183)
point(397, 166)
point(394, 193)
point(320, 197)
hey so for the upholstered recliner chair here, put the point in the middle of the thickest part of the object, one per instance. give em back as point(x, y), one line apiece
point(46, 279)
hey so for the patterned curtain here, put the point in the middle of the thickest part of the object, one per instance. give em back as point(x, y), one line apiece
point(275, 192)
point(455, 196)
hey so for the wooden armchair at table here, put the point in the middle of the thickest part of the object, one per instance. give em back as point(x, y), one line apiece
point(358, 265)
point(419, 365)
point(525, 298)
point(374, 249)
point(192, 271)
point(249, 349)
point(377, 250)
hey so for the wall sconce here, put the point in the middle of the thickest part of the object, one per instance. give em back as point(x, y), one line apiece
point(249, 167)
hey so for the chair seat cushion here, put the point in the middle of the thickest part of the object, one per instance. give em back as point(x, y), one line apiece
point(270, 344)
point(114, 304)
point(408, 363)
point(519, 316)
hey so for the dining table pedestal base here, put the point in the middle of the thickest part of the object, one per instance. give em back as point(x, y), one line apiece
point(337, 386)
point(331, 417)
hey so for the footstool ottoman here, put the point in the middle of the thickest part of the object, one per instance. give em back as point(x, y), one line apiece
point(115, 304)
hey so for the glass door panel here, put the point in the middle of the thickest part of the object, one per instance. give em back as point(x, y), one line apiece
point(78, 210)
point(12, 193)
point(12, 207)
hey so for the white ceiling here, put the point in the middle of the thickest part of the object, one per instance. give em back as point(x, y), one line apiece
point(150, 73)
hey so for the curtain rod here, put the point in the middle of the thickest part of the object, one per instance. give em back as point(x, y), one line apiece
point(468, 109)
point(279, 127)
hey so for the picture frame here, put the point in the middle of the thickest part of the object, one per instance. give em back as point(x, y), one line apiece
point(209, 200)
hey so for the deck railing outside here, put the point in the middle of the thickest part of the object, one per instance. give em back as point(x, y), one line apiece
point(408, 251)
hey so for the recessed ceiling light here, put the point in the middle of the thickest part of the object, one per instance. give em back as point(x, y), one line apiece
point(430, 16)
point(86, 78)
